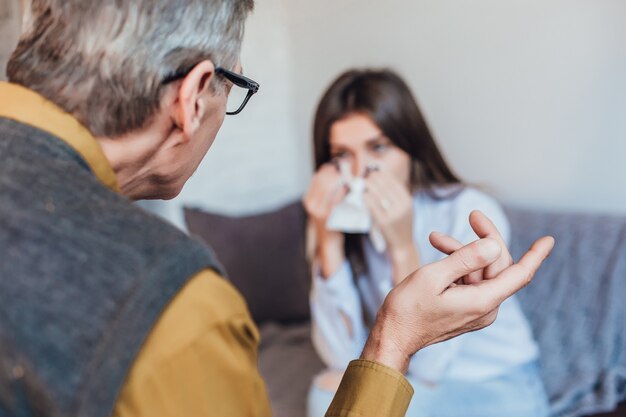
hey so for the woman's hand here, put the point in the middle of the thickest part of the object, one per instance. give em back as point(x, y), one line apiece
point(325, 192)
point(391, 207)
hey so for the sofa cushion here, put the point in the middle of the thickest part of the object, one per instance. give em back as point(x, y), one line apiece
point(264, 256)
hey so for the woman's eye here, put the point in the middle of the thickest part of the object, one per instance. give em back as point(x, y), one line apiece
point(380, 147)
point(339, 155)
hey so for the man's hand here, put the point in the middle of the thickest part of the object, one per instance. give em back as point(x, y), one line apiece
point(426, 308)
point(483, 227)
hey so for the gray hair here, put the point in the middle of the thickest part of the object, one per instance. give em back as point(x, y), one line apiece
point(104, 61)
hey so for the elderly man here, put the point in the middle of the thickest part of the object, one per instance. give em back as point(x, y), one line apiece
point(106, 310)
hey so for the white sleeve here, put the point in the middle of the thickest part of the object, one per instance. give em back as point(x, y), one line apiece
point(431, 363)
point(333, 301)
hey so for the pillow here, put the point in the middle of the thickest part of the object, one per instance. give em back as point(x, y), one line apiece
point(264, 257)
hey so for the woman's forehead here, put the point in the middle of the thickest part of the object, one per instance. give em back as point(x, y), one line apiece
point(354, 130)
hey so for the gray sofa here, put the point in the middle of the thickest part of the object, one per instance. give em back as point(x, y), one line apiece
point(576, 304)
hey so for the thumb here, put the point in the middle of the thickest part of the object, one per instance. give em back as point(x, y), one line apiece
point(473, 257)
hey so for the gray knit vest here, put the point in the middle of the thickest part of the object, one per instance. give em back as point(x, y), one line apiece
point(84, 276)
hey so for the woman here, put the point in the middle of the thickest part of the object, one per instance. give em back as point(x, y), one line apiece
point(380, 174)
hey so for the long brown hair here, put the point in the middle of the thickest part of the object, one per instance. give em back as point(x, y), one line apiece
point(387, 100)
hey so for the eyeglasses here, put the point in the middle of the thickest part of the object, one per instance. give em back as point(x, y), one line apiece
point(237, 98)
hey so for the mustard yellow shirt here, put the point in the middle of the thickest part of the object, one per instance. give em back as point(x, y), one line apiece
point(200, 359)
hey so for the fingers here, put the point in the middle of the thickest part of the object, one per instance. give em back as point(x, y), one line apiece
point(469, 258)
point(484, 227)
point(447, 244)
point(383, 180)
point(373, 202)
point(388, 198)
point(391, 207)
point(444, 243)
point(326, 191)
point(379, 200)
point(336, 195)
point(329, 185)
point(384, 185)
point(537, 253)
point(517, 276)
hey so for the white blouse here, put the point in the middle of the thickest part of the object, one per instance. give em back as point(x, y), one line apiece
point(475, 356)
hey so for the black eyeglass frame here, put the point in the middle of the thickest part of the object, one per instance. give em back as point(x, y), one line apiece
point(237, 79)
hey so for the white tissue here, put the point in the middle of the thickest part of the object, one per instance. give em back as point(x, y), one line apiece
point(351, 214)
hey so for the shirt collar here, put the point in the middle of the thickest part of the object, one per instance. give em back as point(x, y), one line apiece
point(26, 106)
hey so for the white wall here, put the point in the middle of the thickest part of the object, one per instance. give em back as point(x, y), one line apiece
point(527, 98)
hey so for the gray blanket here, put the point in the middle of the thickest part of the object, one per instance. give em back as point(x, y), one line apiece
point(577, 307)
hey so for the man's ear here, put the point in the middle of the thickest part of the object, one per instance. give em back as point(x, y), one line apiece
point(192, 98)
